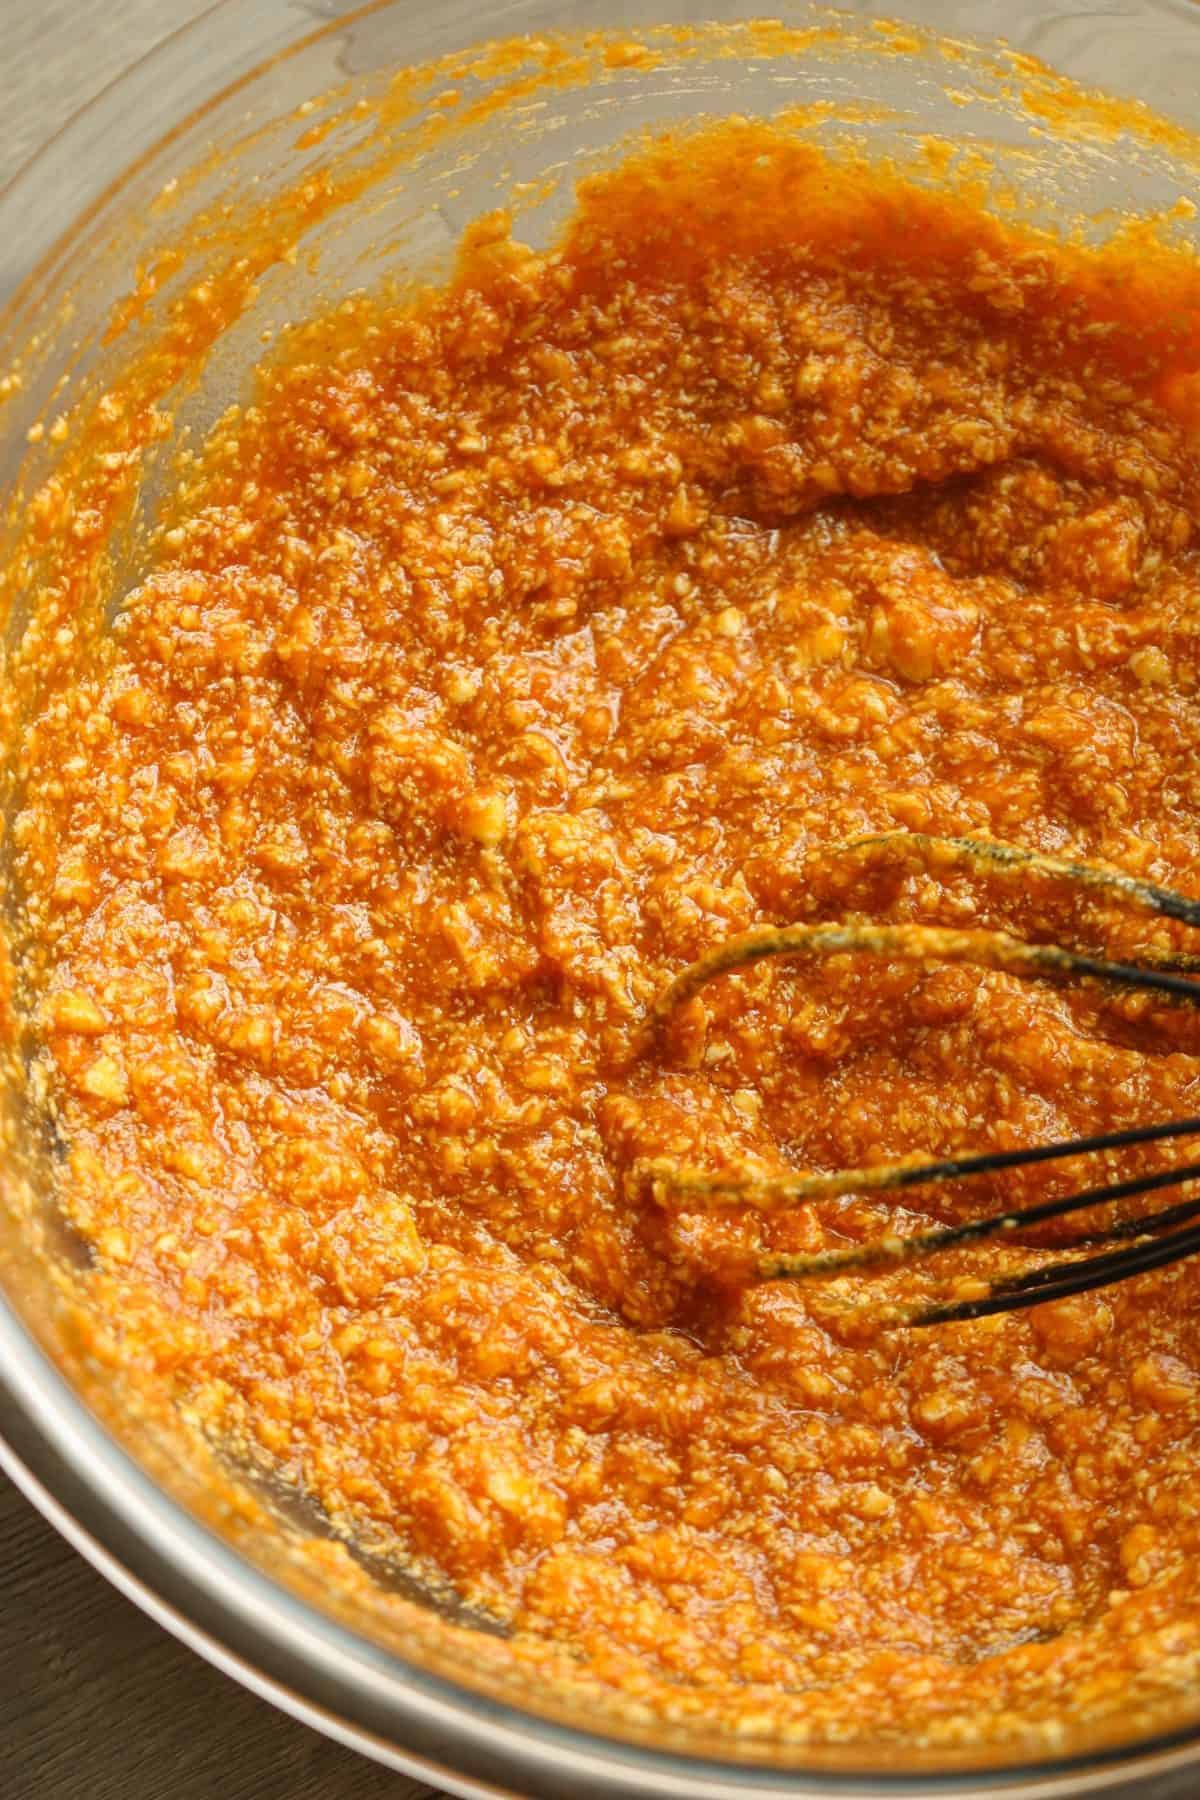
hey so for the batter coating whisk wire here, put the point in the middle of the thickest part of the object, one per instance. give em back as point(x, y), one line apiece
point(1151, 1241)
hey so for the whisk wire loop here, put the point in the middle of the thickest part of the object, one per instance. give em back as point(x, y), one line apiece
point(1144, 1246)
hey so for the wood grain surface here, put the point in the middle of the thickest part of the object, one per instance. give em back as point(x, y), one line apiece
point(96, 1701)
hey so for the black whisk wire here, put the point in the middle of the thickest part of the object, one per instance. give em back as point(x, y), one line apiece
point(1083, 1279)
point(1149, 1242)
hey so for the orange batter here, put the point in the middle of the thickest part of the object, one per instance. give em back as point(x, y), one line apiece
point(500, 656)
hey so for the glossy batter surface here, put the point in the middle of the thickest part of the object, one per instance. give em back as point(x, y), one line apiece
point(502, 655)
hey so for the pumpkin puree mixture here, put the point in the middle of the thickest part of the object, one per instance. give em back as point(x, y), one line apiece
point(499, 656)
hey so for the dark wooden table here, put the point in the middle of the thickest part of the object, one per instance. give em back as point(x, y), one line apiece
point(98, 1703)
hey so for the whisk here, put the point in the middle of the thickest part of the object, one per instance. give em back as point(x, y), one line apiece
point(1126, 1248)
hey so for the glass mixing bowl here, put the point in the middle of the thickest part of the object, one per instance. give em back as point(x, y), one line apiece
point(250, 108)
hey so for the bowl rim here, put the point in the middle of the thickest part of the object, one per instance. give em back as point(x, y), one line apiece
point(330, 1677)
point(145, 1542)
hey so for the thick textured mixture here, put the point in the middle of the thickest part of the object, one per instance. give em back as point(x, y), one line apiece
point(500, 656)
